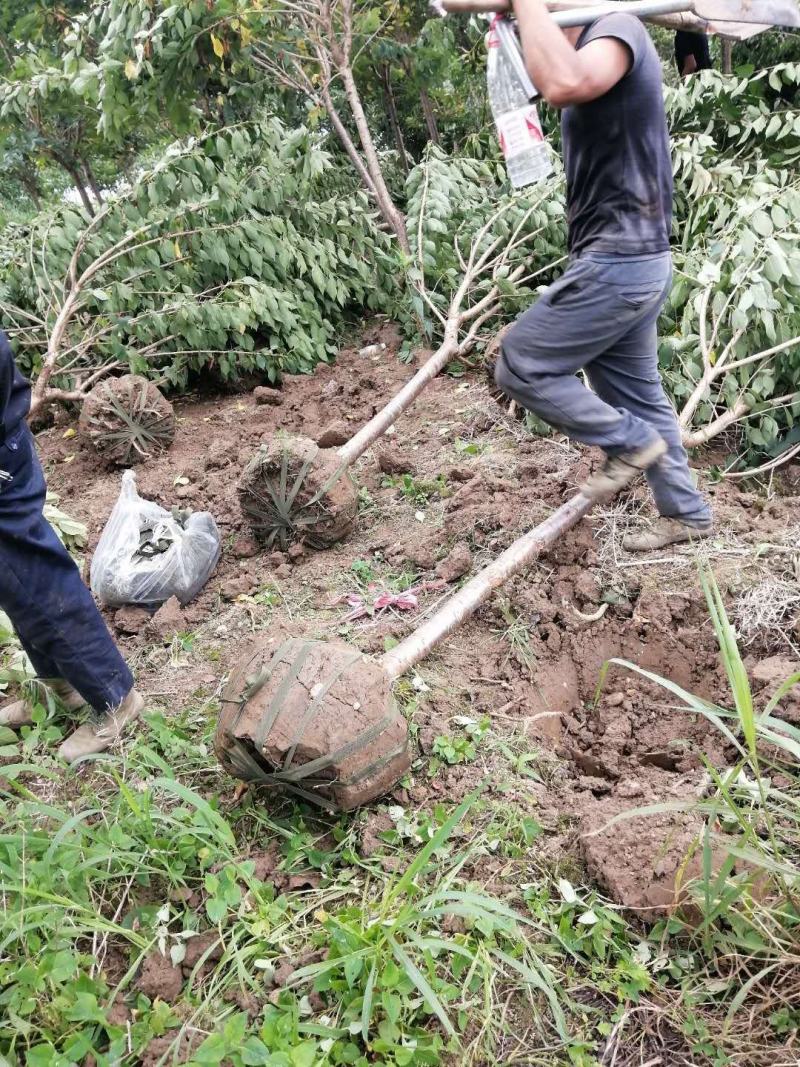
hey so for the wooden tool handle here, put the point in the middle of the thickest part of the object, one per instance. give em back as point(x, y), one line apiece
point(682, 20)
point(475, 7)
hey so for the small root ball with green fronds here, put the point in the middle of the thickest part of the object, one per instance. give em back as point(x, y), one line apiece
point(127, 420)
point(293, 490)
point(316, 719)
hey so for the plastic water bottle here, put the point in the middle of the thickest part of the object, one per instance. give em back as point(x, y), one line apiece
point(516, 118)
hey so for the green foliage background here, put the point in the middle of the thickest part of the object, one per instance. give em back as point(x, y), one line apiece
point(257, 246)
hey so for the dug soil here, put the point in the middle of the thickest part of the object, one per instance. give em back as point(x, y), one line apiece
point(457, 480)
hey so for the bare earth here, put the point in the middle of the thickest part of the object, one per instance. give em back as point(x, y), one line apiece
point(530, 660)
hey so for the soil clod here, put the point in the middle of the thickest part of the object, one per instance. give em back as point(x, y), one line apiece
point(158, 978)
point(334, 434)
point(130, 619)
point(456, 563)
point(168, 620)
point(393, 460)
point(263, 394)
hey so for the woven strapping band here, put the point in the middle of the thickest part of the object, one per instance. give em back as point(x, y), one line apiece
point(249, 769)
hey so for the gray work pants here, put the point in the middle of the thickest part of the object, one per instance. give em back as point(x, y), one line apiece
point(600, 316)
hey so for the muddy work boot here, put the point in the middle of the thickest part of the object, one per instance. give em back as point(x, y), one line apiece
point(20, 712)
point(102, 732)
point(665, 532)
point(618, 471)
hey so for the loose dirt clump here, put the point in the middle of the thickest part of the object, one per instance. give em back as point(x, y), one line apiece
point(172, 1047)
point(316, 718)
point(292, 490)
point(206, 947)
point(127, 420)
point(131, 619)
point(168, 620)
point(158, 978)
point(456, 563)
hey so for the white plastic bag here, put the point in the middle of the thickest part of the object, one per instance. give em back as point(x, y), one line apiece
point(120, 575)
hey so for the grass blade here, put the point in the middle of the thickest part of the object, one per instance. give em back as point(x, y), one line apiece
point(420, 861)
point(423, 985)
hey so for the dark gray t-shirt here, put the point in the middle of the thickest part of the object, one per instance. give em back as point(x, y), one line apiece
point(616, 154)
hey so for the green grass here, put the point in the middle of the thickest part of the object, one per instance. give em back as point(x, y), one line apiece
point(518, 636)
point(467, 936)
point(418, 491)
point(143, 860)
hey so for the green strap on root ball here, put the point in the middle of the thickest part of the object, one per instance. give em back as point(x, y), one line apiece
point(292, 490)
point(337, 742)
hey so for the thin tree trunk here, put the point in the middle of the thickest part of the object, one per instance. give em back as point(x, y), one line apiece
point(727, 55)
point(430, 116)
point(391, 108)
point(78, 180)
point(347, 141)
point(387, 206)
point(31, 186)
point(76, 177)
point(87, 169)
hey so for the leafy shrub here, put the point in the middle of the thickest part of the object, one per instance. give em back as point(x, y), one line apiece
point(244, 251)
point(456, 205)
point(731, 347)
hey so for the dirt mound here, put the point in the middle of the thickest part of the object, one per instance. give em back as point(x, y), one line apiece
point(314, 717)
point(173, 1047)
point(292, 490)
point(158, 978)
point(127, 420)
point(646, 862)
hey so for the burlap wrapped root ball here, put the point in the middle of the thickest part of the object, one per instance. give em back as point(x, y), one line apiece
point(315, 718)
point(293, 490)
point(127, 420)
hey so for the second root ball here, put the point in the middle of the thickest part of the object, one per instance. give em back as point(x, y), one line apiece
point(127, 420)
point(293, 490)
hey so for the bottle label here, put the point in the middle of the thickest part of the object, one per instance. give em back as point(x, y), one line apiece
point(519, 130)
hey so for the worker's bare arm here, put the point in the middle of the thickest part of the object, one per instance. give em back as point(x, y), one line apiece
point(563, 75)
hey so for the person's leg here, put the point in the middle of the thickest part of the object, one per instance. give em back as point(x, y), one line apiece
point(42, 592)
point(626, 376)
point(576, 320)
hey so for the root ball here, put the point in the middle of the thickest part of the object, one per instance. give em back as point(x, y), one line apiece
point(316, 718)
point(292, 490)
point(127, 420)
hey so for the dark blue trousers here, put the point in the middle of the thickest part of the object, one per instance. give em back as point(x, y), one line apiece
point(42, 592)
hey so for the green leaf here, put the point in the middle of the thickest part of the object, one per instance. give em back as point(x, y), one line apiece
point(304, 1055)
point(405, 882)
point(761, 223)
point(422, 984)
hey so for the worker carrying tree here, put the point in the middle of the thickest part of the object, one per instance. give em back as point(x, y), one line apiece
point(600, 315)
point(42, 593)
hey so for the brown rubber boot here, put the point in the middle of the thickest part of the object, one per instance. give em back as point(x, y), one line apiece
point(20, 712)
point(618, 471)
point(665, 532)
point(97, 736)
